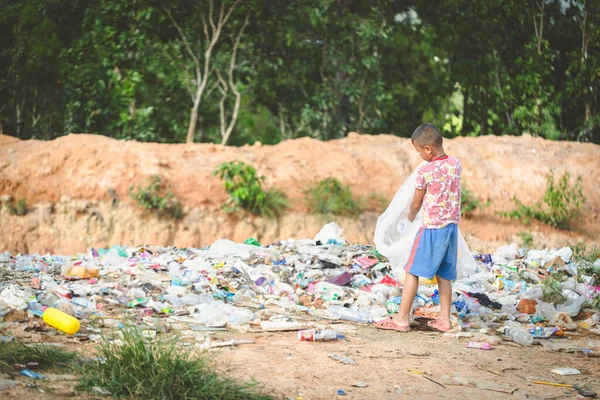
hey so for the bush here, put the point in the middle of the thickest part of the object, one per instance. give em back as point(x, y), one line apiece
point(20, 208)
point(135, 367)
point(470, 203)
point(561, 204)
point(156, 197)
point(244, 187)
point(330, 196)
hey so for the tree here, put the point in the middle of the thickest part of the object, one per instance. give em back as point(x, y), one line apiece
point(213, 23)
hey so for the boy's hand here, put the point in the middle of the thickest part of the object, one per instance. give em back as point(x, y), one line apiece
point(416, 204)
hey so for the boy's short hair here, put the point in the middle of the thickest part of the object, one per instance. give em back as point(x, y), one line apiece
point(427, 134)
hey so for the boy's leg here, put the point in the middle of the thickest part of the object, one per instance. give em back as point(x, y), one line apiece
point(409, 291)
point(445, 290)
point(445, 275)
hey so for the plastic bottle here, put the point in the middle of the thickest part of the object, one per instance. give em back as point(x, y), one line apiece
point(312, 335)
point(348, 314)
point(518, 335)
point(61, 321)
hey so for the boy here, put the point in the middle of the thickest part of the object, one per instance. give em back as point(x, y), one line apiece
point(434, 252)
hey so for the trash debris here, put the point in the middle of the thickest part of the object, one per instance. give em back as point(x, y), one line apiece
point(584, 391)
point(462, 380)
point(282, 326)
point(296, 285)
point(7, 384)
point(61, 321)
point(31, 374)
point(566, 371)
point(359, 384)
point(311, 335)
point(100, 391)
point(479, 345)
point(343, 359)
point(552, 384)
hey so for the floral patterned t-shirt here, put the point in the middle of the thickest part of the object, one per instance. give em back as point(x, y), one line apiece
point(440, 179)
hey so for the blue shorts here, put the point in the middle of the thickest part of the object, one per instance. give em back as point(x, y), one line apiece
point(434, 252)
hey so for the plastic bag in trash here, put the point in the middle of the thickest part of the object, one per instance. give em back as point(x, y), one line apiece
point(572, 306)
point(395, 235)
point(330, 233)
point(14, 297)
point(224, 248)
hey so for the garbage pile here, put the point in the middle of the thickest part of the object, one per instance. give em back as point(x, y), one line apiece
point(515, 295)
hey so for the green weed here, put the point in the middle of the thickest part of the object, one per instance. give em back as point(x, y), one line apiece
point(158, 198)
point(582, 251)
point(526, 239)
point(16, 352)
point(561, 204)
point(551, 289)
point(19, 209)
point(330, 196)
point(469, 203)
point(135, 367)
point(245, 190)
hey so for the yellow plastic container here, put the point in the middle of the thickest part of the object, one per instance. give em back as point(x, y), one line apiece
point(425, 281)
point(61, 321)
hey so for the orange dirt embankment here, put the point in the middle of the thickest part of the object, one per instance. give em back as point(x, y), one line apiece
point(68, 181)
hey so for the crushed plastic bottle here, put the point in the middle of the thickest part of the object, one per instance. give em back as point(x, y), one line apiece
point(312, 335)
point(339, 312)
point(514, 331)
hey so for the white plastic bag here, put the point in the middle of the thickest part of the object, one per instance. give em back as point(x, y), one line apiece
point(395, 235)
point(330, 231)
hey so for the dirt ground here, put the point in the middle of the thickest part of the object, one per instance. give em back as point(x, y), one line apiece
point(392, 365)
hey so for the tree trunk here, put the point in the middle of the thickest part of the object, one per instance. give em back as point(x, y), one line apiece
point(466, 126)
point(194, 117)
point(541, 35)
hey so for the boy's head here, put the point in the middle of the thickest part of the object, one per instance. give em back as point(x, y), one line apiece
point(428, 141)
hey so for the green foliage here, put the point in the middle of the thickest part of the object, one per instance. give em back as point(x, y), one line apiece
point(16, 352)
point(245, 190)
point(526, 239)
point(157, 198)
point(561, 204)
point(552, 290)
point(330, 196)
point(582, 251)
point(305, 68)
point(135, 367)
point(20, 208)
point(469, 203)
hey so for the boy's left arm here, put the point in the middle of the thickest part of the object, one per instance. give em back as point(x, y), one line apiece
point(416, 204)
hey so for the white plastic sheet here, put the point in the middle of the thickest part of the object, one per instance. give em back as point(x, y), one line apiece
point(395, 235)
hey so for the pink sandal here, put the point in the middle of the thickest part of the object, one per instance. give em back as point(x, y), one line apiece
point(389, 325)
point(437, 325)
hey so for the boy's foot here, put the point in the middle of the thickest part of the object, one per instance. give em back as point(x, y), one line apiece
point(438, 326)
point(390, 325)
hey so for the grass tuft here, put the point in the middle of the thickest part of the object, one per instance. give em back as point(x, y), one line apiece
point(20, 209)
point(135, 367)
point(582, 251)
point(16, 352)
point(157, 198)
point(330, 196)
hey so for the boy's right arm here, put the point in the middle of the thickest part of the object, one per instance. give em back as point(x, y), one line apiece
point(416, 204)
